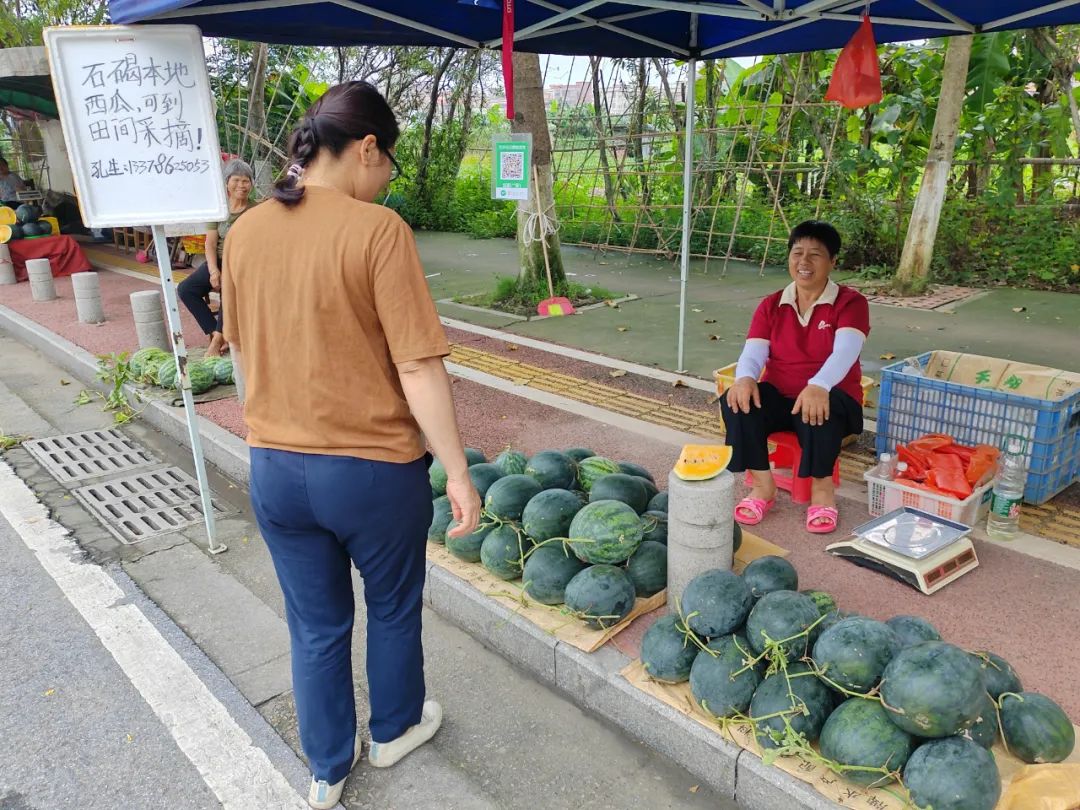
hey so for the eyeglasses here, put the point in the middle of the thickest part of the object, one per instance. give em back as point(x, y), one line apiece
point(395, 171)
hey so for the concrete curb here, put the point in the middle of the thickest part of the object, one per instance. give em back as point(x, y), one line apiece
point(593, 681)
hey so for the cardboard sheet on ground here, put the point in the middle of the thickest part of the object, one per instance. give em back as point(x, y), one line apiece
point(823, 780)
point(553, 619)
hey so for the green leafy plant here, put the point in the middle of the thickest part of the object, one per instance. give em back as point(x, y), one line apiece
point(512, 295)
point(9, 441)
point(115, 370)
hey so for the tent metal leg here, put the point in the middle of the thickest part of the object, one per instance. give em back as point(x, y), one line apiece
point(688, 186)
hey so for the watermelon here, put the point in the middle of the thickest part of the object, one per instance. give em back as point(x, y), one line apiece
point(601, 595)
point(831, 618)
point(579, 454)
point(770, 573)
point(655, 525)
point(667, 651)
point(853, 653)
point(804, 701)
point(474, 456)
point(27, 213)
point(859, 733)
point(507, 497)
point(620, 487)
point(650, 488)
point(659, 503)
point(605, 532)
point(647, 568)
point(985, 729)
point(780, 615)
point(511, 462)
point(549, 514)
point(913, 630)
point(166, 374)
point(716, 603)
point(223, 371)
point(736, 537)
point(1035, 728)
point(467, 548)
point(953, 774)
point(998, 675)
point(713, 681)
point(594, 467)
point(548, 570)
point(552, 469)
point(824, 601)
point(630, 468)
point(146, 361)
point(932, 689)
point(483, 475)
point(502, 551)
point(441, 516)
point(437, 477)
point(201, 378)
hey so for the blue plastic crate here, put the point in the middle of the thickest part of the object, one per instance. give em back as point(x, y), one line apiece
point(910, 406)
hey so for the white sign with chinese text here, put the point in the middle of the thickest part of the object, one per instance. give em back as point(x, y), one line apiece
point(138, 119)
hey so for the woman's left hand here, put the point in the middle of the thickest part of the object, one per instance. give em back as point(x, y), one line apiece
point(813, 404)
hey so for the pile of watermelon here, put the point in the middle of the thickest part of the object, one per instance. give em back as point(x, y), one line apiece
point(882, 701)
point(23, 223)
point(155, 366)
point(577, 529)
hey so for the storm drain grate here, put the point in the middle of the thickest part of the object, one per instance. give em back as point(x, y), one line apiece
point(90, 454)
point(146, 504)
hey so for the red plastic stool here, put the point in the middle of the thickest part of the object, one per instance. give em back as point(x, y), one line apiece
point(785, 460)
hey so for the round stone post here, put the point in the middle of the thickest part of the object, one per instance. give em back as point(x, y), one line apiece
point(41, 280)
point(7, 269)
point(150, 320)
point(700, 526)
point(87, 289)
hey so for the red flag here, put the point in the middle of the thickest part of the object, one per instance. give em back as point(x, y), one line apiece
point(508, 56)
point(856, 79)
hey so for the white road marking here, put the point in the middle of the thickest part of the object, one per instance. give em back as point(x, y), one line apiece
point(237, 771)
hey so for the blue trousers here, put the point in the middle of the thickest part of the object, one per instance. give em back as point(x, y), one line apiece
point(319, 515)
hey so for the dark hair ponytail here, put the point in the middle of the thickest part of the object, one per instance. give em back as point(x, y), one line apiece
point(345, 113)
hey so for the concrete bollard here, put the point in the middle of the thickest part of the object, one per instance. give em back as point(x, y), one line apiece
point(87, 289)
point(7, 269)
point(42, 287)
point(700, 526)
point(150, 320)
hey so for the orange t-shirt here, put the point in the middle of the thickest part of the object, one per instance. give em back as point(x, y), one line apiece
point(322, 300)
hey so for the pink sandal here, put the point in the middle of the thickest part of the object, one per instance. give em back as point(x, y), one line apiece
point(757, 507)
point(821, 519)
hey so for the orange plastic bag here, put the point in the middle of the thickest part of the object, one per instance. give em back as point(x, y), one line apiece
point(1043, 787)
point(856, 78)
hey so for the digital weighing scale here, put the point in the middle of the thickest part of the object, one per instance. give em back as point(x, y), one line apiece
point(925, 551)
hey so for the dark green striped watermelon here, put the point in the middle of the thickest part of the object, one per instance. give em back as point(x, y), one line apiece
point(659, 503)
point(630, 468)
point(1035, 728)
point(932, 689)
point(831, 618)
point(549, 514)
point(437, 477)
point(647, 568)
point(650, 488)
point(853, 653)
point(953, 774)
point(594, 467)
point(824, 601)
point(440, 520)
point(474, 456)
point(716, 603)
point(579, 454)
point(503, 550)
point(667, 651)
point(548, 570)
point(985, 729)
point(620, 487)
point(720, 680)
point(483, 476)
point(605, 532)
point(552, 469)
point(859, 734)
point(998, 674)
point(511, 462)
point(770, 573)
point(736, 537)
point(782, 616)
point(601, 595)
point(655, 524)
point(467, 548)
point(507, 498)
point(913, 630)
point(801, 698)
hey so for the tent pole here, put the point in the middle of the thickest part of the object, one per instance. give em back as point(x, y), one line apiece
point(688, 186)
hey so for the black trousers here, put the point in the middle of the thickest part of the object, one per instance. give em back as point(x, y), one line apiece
point(748, 433)
point(193, 291)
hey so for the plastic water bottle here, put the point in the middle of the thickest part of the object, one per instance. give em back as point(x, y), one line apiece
point(1003, 523)
point(886, 467)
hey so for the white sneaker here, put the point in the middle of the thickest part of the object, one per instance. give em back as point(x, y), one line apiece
point(322, 795)
point(383, 755)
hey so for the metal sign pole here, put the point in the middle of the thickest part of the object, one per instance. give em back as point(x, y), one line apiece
point(172, 311)
point(687, 212)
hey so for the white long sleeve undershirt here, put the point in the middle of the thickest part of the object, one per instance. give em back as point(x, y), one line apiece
point(847, 346)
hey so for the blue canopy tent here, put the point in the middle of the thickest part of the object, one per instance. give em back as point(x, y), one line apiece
point(627, 28)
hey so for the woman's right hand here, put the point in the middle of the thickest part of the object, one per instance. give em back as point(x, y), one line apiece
point(464, 503)
point(742, 393)
point(215, 280)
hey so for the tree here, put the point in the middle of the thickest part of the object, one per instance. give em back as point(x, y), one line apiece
point(531, 117)
point(256, 117)
point(913, 273)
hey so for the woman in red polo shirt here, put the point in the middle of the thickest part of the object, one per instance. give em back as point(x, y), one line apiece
point(806, 339)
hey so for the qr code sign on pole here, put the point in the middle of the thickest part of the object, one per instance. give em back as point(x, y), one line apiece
point(513, 166)
point(511, 159)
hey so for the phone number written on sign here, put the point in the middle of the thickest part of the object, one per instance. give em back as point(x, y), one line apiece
point(163, 164)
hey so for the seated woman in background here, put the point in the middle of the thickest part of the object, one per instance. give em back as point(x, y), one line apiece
point(803, 344)
point(193, 290)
